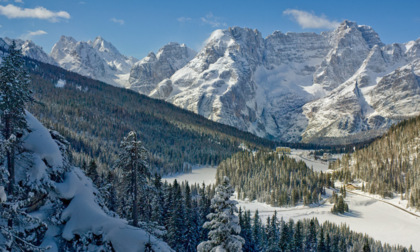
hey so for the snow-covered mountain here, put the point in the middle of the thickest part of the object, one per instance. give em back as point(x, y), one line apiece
point(97, 59)
point(29, 49)
point(384, 89)
point(147, 73)
point(289, 87)
point(65, 200)
point(298, 86)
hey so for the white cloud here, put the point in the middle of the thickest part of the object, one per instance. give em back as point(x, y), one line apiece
point(213, 20)
point(118, 21)
point(184, 19)
point(309, 20)
point(12, 11)
point(31, 34)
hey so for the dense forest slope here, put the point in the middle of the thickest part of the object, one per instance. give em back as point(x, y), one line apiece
point(274, 179)
point(389, 165)
point(95, 116)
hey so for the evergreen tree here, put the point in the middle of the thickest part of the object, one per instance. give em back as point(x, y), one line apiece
point(191, 220)
point(366, 247)
point(14, 94)
point(327, 242)
point(92, 172)
point(110, 192)
point(224, 224)
point(158, 201)
point(176, 236)
point(204, 210)
point(340, 206)
point(257, 231)
point(298, 237)
point(246, 231)
point(273, 234)
point(321, 244)
point(284, 236)
point(311, 240)
point(135, 173)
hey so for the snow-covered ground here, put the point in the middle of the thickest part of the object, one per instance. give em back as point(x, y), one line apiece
point(316, 165)
point(43, 159)
point(376, 218)
point(199, 174)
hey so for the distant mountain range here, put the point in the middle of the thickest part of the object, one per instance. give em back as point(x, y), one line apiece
point(342, 85)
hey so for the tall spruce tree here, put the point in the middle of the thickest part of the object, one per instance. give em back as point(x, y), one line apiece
point(224, 224)
point(135, 173)
point(14, 94)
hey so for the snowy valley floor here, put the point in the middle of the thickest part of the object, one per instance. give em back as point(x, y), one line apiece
point(368, 213)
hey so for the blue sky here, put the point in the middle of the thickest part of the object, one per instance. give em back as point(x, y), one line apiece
point(138, 27)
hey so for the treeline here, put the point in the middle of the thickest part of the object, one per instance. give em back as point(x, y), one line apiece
point(94, 117)
point(389, 165)
point(272, 178)
point(333, 147)
point(304, 235)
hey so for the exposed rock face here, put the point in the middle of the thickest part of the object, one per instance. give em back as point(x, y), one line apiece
point(29, 49)
point(249, 82)
point(147, 73)
point(289, 87)
point(388, 91)
point(97, 59)
point(298, 86)
point(351, 44)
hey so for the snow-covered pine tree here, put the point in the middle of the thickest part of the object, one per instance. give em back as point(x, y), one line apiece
point(14, 94)
point(135, 173)
point(22, 231)
point(224, 224)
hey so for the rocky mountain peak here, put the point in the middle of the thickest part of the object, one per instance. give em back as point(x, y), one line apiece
point(148, 72)
point(349, 33)
point(104, 46)
point(65, 41)
point(97, 59)
point(29, 49)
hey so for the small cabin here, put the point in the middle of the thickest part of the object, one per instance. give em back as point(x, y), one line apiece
point(284, 150)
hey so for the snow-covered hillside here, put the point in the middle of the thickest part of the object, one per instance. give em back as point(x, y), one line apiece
point(68, 203)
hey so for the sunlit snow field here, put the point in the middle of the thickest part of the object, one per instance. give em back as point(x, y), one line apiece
point(371, 216)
